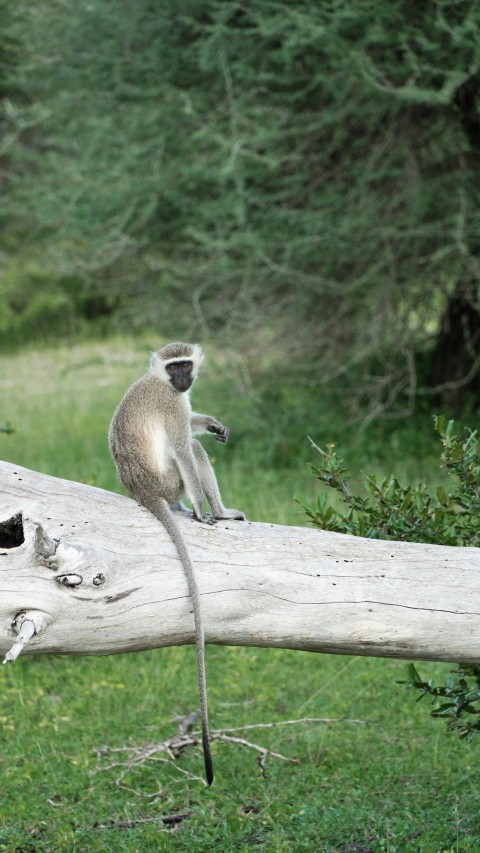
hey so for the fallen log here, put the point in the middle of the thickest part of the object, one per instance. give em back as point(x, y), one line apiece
point(86, 571)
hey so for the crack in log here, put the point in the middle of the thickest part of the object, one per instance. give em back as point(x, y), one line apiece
point(340, 601)
point(300, 603)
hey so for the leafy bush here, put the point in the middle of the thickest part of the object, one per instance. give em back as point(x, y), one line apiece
point(404, 512)
point(458, 700)
point(392, 510)
point(39, 301)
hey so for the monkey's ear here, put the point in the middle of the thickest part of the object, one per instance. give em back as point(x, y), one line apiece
point(157, 367)
point(197, 356)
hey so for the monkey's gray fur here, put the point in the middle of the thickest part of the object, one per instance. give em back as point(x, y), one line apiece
point(159, 462)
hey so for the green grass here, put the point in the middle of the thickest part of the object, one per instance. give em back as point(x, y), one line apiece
point(397, 783)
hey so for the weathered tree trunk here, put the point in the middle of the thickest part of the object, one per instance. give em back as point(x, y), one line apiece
point(84, 571)
point(455, 362)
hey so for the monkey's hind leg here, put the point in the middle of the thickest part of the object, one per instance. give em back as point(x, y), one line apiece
point(179, 506)
point(210, 486)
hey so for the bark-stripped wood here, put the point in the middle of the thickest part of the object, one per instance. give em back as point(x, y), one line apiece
point(86, 571)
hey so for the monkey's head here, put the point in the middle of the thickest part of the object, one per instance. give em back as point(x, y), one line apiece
point(177, 364)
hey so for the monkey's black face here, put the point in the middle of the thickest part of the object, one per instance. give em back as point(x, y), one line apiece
point(180, 373)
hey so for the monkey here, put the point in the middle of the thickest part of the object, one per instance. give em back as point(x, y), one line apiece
point(159, 462)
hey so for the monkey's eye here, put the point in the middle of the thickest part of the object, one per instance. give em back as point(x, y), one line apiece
point(179, 365)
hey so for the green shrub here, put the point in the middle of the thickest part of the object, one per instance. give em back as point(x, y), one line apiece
point(391, 510)
point(39, 301)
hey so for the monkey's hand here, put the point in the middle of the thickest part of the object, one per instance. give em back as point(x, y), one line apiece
point(205, 423)
point(220, 432)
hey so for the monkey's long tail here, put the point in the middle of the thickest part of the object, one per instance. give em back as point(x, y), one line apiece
point(164, 514)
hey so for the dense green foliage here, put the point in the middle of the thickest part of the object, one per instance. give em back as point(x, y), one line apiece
point(404, 512)
point(392, 784)
point(416, 514)
point(266, 167)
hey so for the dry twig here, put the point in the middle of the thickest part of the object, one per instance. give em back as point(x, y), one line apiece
point(138, 756)
point(169, 820)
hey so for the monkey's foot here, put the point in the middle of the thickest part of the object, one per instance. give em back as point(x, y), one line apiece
point(205, 519)
point(230, 513)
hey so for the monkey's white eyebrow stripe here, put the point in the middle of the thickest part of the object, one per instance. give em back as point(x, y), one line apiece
point(181, 359)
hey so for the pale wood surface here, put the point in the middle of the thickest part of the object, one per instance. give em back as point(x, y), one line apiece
point(261, 584)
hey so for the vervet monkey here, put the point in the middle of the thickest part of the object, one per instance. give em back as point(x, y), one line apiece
point(157, 460)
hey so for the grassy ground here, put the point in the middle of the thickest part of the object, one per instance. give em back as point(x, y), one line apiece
point(395, 782)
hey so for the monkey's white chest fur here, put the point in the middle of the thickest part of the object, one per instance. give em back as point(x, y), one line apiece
point(161, 447)
point(161, 442)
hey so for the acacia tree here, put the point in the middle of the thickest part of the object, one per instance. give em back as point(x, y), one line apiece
point(314, 164)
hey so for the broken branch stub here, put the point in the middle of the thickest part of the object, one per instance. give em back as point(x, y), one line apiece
point(85, 571)
point(25, 626)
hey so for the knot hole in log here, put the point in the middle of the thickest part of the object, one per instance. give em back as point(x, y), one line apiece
point(11, 532)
